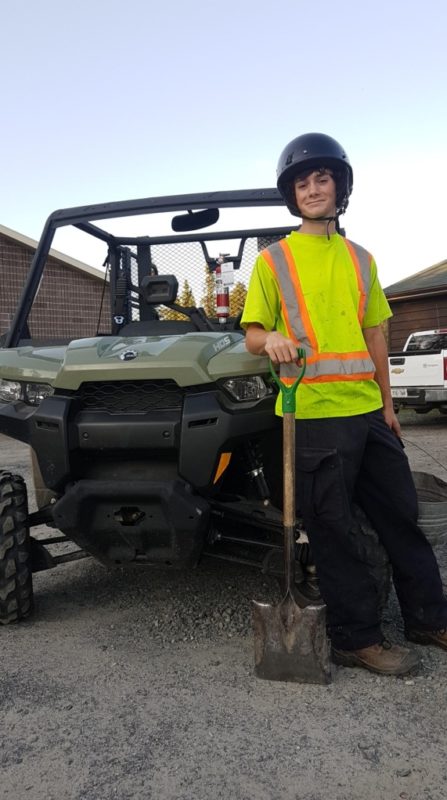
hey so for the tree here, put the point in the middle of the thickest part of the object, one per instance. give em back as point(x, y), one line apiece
point(208, 300)
point(186, 299)
point(168, 313)
point(237, 298)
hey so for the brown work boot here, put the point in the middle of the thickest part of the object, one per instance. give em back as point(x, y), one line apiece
point(437, 638)
point(385, 659)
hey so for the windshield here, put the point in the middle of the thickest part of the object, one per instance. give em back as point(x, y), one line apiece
point(86, 276)
point(427, 342)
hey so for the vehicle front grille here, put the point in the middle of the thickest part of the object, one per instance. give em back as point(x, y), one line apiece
point(126, 397)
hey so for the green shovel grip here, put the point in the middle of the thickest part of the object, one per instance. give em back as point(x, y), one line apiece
point(289, 392)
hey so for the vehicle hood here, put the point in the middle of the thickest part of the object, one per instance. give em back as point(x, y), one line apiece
point(189, 359)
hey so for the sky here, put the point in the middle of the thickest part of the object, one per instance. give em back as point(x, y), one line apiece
point(104, 100)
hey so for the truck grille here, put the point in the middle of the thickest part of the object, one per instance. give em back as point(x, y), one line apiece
point(125, 397)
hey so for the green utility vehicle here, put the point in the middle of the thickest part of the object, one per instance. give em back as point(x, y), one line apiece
point(151, 429)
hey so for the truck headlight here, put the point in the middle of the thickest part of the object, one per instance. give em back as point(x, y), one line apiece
point(31, 393)
point(248, 387)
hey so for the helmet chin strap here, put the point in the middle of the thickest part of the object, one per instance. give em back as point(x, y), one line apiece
point(325, 219)
point(320, 219)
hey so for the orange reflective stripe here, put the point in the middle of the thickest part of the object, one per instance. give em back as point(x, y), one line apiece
point(358, 376)
point(360, 283)
point(293, 272)
point(341, 356)
point(268, 258)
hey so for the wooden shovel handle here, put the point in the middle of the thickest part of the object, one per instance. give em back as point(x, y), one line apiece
point(289, 408)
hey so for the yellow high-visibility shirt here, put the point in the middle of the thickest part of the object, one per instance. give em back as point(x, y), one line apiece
point(330, 289)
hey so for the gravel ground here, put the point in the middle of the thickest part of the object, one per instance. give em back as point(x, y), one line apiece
point(137, 684)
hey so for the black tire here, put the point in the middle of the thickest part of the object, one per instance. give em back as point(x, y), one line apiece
point(16, 586)
point(372, 552)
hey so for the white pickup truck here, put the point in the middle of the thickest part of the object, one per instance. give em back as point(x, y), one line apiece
point(418, 374)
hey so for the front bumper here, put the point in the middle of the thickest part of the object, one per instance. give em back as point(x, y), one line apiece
point(160, 523)
point(61, 433)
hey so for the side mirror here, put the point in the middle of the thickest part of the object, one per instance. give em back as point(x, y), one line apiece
point(159, 289)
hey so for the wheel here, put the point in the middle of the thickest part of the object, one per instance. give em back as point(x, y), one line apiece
point(16, 587)
point(374, 555)
point(370, 552)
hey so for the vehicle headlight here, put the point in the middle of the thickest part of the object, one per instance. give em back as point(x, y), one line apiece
point(248, 387)
point(31, 393)
point(10, 391)
point(36, 392)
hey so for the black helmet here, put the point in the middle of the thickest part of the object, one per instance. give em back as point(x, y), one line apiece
point(313, 150)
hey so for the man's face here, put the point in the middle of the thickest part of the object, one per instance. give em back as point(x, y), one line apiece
point(315, 194)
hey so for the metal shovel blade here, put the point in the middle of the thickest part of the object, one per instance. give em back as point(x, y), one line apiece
point(291, 642)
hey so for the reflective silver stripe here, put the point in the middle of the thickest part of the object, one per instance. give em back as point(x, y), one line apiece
point(322, 367)
point(330, 366)
point(288, 293)
point(364, 260)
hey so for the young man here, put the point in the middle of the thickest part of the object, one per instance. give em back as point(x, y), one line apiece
point(317, 290)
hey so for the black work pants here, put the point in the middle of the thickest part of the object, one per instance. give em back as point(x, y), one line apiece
point(347, 459)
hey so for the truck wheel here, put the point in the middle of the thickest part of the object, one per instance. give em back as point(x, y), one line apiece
point(16, 588)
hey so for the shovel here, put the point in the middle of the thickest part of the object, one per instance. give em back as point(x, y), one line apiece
point(290, 642)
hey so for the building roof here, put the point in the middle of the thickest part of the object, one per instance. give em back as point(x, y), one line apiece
point(427, 281)
point(20, 238)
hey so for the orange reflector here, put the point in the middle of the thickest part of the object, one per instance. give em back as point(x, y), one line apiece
point(224, 460)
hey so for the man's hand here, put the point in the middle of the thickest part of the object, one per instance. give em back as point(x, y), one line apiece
point(279, 348)
point(391, 420)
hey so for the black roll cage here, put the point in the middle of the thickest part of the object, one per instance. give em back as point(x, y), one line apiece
point(81, 217)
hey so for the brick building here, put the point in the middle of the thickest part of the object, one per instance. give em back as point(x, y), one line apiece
point(418, 303)
point(70, 296)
